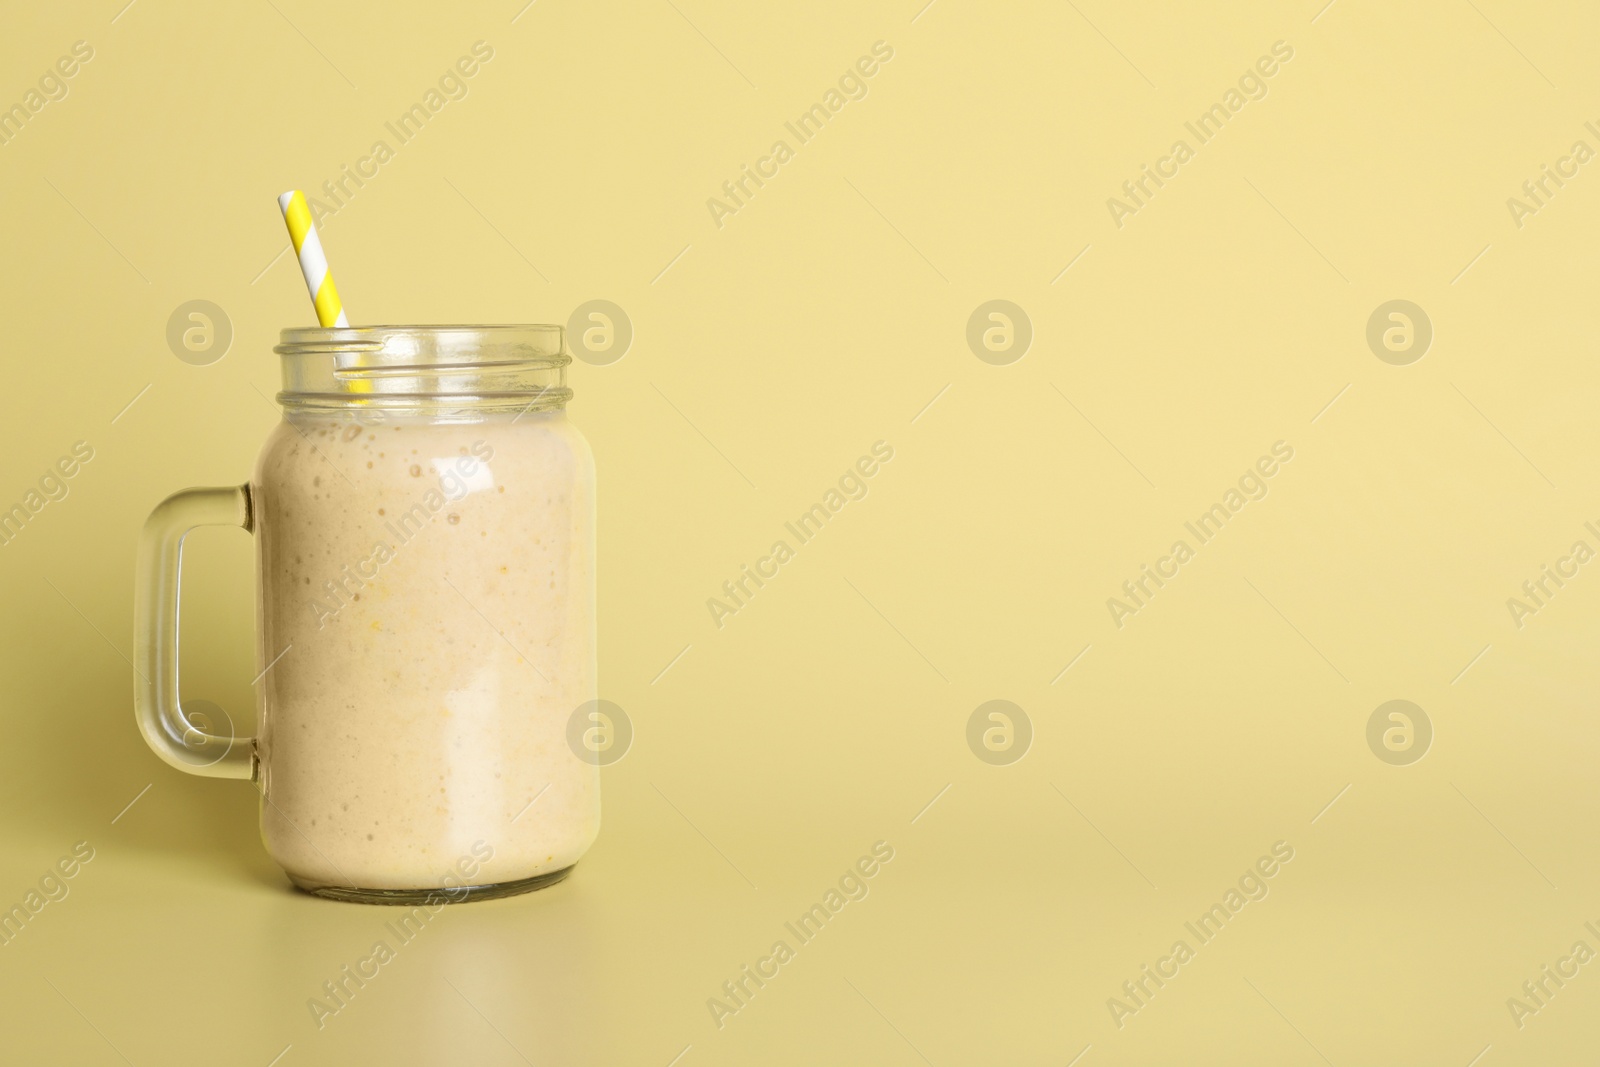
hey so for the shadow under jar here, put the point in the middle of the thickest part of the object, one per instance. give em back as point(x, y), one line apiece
point(424, 521)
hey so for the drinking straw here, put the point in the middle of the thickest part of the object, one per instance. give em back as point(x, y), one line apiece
point(313, 264)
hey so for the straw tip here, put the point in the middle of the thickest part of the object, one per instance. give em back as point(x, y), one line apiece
point(285, 198)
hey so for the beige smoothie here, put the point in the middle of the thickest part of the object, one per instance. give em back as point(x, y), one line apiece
point(427, 609)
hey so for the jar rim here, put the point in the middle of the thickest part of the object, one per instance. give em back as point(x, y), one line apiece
point(425, 368)
point(544, 340)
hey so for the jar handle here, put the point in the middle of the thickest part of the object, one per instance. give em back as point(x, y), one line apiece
point(187, 742)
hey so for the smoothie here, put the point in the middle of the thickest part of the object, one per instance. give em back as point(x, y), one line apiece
point(427, 610)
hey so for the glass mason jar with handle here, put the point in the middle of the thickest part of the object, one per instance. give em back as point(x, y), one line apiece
point(424, 527)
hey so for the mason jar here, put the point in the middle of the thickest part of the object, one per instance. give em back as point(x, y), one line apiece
point(424, 521)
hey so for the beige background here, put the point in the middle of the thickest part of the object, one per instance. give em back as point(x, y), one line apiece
point(769, 354)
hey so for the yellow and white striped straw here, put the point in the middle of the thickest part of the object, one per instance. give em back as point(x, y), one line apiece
point(313, 263)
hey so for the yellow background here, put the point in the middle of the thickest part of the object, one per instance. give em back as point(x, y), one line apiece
point(769, 354)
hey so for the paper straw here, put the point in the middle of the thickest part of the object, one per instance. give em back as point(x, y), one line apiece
point(313, 264)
